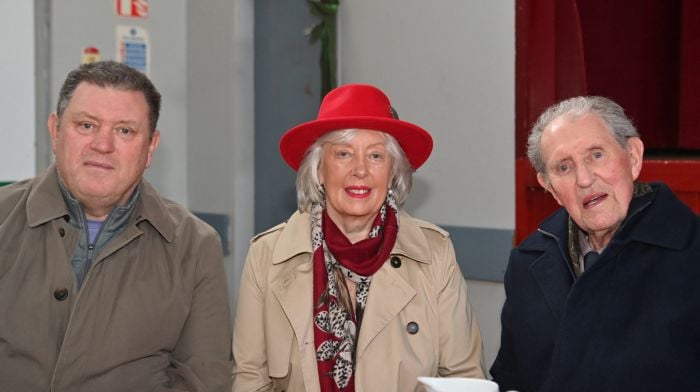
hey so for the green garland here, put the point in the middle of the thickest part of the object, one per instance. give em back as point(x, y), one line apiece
point(325, 31)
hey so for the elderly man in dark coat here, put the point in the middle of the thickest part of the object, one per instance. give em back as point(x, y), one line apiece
point(605, 296)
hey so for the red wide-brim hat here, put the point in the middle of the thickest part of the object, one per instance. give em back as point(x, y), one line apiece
point(356, 106)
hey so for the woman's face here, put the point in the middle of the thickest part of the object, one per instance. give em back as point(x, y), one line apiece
point(356, 176)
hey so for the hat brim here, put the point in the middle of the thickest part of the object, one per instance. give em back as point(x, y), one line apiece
point(415, 141)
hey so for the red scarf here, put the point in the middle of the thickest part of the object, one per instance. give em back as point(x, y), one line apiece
point(336, 329)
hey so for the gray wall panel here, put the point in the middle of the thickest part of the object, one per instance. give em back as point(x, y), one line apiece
point(287, 79)
point(482, 254)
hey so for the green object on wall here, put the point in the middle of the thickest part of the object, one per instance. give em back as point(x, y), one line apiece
point(325, 31)
point(4, 183)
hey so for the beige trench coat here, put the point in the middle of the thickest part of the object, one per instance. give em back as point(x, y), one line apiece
point(273, 344)
point(152, 314)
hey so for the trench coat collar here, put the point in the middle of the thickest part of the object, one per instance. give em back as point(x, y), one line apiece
point(45, 203)
point(295, 239)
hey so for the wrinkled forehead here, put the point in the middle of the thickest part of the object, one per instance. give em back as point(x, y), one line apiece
point(571, 131)
point(344, 136)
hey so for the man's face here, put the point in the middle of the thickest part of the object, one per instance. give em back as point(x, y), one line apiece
point(590, 174)
point(102, 145)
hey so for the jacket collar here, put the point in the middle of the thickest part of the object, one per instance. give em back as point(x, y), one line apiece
point(152, 207)
point(294, 239)
point(658, 218)
point(556, 225)
point(45, 203)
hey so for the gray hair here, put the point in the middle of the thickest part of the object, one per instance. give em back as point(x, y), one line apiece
point(309, 187)
point(612, 114)
point(115, 75)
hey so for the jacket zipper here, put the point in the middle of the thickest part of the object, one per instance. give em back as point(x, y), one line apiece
point(89, 256)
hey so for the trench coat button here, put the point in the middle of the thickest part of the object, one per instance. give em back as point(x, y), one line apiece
point(412, 327)
point(62, 232)
point(60, 294)
point(395, 261)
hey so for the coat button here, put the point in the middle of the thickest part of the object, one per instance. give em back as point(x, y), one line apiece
point(412, 328)
point(395, 261)
point(60, 294)
point(62, 232)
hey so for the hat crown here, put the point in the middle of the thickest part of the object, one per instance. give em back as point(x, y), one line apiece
point(356, 106)
point(355, 100)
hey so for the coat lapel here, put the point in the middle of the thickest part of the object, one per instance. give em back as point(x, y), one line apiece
point(294, 294)
point(551, 270)
point(388, 294)
point(548, 271)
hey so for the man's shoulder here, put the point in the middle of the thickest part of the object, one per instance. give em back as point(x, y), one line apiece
point(16, 188)
point(12, 195)
point(555, 226)
point(171, 218)
point(667, 221)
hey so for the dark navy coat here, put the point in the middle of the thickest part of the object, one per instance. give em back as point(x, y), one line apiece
point(629, 323)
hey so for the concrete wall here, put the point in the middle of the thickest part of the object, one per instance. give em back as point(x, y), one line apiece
point(17, 153)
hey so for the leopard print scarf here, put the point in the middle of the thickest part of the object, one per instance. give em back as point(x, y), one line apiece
point(336, 326)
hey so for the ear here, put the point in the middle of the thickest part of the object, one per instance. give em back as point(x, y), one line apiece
point(152, 146)
point(548, 187)
point(52, 125)
point(319, 173)
point(635, 149)
point(321, 180)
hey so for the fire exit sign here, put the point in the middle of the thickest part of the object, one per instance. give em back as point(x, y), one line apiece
point(132, 8)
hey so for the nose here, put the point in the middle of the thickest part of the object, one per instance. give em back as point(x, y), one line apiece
point(584, 176)
point(103, 141)
point(359, 166)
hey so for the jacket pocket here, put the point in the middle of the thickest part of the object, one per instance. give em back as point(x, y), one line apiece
point(279, 350)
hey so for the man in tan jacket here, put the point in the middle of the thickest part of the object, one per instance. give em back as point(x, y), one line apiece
point(105, 285)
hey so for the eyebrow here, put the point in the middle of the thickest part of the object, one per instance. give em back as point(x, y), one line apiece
point(558, 162)
point(349, 145)
point(83, 114)
point(76, 115)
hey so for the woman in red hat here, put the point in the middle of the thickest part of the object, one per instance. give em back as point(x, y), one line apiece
point(351, 293)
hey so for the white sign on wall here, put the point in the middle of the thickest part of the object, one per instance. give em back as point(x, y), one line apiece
point(133, 47)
